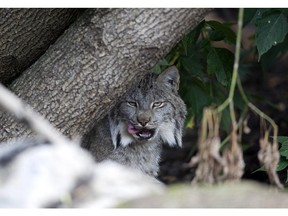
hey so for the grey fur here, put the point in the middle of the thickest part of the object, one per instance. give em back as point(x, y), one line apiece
point(151, 114)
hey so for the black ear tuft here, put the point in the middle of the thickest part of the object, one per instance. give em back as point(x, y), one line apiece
point(170, 77)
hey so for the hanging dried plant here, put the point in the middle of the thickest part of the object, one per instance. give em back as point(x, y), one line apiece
point(233, 156)
point(268, 154)
point(209, 161)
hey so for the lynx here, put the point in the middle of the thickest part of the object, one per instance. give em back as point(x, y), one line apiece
point(149, 115)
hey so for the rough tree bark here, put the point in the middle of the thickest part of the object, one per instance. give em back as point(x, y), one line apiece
point(94, 62)
point(25, 34)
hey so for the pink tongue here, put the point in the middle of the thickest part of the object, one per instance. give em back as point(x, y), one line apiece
point(132, 129)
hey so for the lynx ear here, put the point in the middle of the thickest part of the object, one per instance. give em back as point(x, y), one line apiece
point(170, 77)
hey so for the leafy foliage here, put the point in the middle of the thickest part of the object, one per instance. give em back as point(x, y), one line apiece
point(205, 59)
point(205, 70)
point(272, 28)
point(206, 66)
point(220, 61)
point(271, 33)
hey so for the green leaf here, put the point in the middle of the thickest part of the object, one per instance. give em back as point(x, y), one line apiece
point(225, 30)
point(157, 68)
point(285, 11)
point(249, 13)
point(225, 123)
point(259, 13)
point(189, 121)
point(197, 98)
point(259, 169)
point(189, 41)
point(271, 30)
point(192, 66)
point(283, 163)
point(184, 45)
point(195, 33)
point(284, 150)
point(238, 101)
point(215, 36)
point(269, 58)
point(282, 139)
point(220, 62)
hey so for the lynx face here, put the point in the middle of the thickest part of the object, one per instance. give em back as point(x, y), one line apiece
point(152, 111)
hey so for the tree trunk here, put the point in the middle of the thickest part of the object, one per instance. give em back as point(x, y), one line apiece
point(94, 62)
point(25, 34)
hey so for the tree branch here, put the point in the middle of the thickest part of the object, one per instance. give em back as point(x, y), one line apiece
point(81, 77)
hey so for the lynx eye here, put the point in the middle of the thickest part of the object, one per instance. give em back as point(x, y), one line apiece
point(132, 103)
point(157, 104)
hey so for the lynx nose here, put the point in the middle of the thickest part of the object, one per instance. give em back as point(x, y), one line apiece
point(143, 119)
